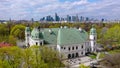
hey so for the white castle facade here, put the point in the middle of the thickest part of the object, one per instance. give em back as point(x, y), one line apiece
point(71, 42)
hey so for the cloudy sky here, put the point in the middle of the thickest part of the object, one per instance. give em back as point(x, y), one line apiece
point(27, 9)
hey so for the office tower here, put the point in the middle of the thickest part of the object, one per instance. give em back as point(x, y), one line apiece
point(57, 18)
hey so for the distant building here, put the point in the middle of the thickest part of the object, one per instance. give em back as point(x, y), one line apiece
point(68, 18)
point(32, 20)
point(77, 18)
point(42, 19)
point(49, 18)
point(81, 19)
point(71, 42)
point(57, 18)
point(73, 18)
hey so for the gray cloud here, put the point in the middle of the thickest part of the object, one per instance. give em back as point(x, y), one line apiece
point(19, 9)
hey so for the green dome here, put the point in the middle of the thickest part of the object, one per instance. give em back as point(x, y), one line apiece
point(27, 29)
point(92, 31)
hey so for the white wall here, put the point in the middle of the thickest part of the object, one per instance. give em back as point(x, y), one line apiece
point(81, 51)
point(33, 42)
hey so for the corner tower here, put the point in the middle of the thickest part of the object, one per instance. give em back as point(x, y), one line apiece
point(93, 38)
point(27, 35)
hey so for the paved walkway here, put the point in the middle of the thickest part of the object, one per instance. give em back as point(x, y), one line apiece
point(74, 63)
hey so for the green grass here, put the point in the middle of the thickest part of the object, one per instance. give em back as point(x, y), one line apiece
point(93, 56)
point(114, 51)
point(102, 55)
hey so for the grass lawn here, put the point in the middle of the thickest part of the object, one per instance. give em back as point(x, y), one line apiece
point(93, 56)
point(102, 55)
point(114, 51)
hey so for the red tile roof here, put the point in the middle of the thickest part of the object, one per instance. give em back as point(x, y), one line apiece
point(4, 44)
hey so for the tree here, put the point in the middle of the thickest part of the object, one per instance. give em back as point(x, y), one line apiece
point(12, 40)
point(36, 24)
point(33, 57)
point(18, 31)
point(111, 61)
point(50, 57)
point(3, 30)
point(10, 57)
point(112, 36)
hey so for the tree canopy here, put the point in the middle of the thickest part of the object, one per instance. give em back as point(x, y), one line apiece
point(33, 57)
point(18, 31)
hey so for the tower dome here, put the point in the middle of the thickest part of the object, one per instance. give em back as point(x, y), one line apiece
point(27, 29)
point(36, 34)
point(93, 31)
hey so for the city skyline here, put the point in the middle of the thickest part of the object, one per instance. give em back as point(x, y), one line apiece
point(27, 9)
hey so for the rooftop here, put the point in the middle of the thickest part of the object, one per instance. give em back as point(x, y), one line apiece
point(60, 36)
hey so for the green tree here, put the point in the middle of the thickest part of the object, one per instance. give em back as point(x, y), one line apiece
point(3, 30)
point(12, 40)
point(35, 24)
point(111, 61)
point(18, 31)
point(112, 36)
point(10, 57)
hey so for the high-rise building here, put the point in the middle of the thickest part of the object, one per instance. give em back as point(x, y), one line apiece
point(73, 18)
point(57, 18)
point(77, 18)
point(49, 18)
point(87, 19)
point(42, 19)
point(32, 20)
point(68, 18)
point(81, 19)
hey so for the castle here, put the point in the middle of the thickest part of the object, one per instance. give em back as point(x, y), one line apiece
point(71, 42)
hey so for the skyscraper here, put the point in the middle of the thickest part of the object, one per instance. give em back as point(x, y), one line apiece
point(77, 18)
point(49, 18)
point(57, 18)
point(68, 18)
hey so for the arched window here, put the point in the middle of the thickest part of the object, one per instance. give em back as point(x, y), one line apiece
point(72, 48)
point(40, 43)
point(77, 55)
point(69, 48)
point(69, 56)
point(64, 48)
point(82, 46)
point(73, 55)
point(81, 53)
point(94, 38)
point(36, 43)
point(76, 47)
